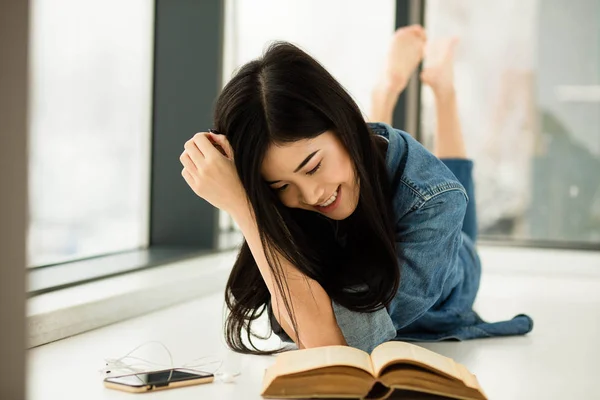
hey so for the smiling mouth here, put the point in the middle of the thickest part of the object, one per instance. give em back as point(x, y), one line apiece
point(328, 198)
point(334, 204)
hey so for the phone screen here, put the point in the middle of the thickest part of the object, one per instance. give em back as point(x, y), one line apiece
point(157, 378)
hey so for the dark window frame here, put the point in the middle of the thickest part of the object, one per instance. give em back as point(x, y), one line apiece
point(187, 76)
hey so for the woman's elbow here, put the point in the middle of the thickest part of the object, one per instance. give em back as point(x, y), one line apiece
point(323, 333)
point(315, 321)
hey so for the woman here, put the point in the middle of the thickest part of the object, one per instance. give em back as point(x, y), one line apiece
point(354, 233)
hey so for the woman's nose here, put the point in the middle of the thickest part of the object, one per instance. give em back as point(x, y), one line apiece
point(311, 195)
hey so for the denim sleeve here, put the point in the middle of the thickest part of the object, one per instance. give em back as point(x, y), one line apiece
point(365, 331)
point(361, 330)
point(428, 241)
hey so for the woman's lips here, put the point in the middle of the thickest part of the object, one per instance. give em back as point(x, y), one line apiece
point(333, 205)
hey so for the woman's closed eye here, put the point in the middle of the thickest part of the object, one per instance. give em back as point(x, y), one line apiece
point(311, 172)
point(315, 169)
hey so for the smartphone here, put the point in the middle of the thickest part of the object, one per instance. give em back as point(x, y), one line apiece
point(158, 380)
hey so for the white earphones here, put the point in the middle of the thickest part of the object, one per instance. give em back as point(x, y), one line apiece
point(228, 377)
point(117, 366)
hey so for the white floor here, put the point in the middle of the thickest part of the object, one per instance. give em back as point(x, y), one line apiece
point(560, 359)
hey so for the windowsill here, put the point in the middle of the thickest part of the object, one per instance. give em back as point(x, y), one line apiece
point(59, 314)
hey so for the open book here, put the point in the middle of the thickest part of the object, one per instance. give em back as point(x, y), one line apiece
point(346, 372)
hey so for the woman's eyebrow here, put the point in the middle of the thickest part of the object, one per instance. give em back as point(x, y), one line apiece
point(302, 164)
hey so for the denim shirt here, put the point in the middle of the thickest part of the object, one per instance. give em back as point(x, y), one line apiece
point(439, 266)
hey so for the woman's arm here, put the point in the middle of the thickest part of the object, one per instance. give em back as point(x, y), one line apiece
point(311, 305)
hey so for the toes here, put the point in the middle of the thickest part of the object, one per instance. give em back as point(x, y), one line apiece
point(454, 41)
point(419, 31)
point(425, 77)
point(415, 29)
point(450, 48)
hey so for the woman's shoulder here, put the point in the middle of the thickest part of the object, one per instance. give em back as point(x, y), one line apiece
point(416, 174)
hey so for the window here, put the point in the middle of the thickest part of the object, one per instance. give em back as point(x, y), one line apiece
point(90, 124)
point(529, 109)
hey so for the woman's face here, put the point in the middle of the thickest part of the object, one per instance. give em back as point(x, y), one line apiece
point(308, 173)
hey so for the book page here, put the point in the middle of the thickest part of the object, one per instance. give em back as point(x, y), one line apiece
point(292, 362)
point(468, 378)
point(397, 352)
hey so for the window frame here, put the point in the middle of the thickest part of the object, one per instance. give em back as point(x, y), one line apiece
point(186, 81)
point(14, 97)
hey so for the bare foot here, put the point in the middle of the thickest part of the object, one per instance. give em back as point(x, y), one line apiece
point(439, 73)
point(406, 50)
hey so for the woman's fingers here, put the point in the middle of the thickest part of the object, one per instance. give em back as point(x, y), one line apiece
point(222, 141)
point(200, 149)
point(187, 162)
point(188, 177)
point(204, 144)
point(194, 152)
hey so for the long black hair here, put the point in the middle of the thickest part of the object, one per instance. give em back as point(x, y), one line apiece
point(282, 97)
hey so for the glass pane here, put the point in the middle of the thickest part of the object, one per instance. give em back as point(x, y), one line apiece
point(90, 124)
point(348, 37)
point(528, 86)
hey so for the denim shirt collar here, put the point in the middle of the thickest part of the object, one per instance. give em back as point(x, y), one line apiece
point(395, 150)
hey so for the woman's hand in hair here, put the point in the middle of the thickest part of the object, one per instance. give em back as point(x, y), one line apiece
point(210, 173)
